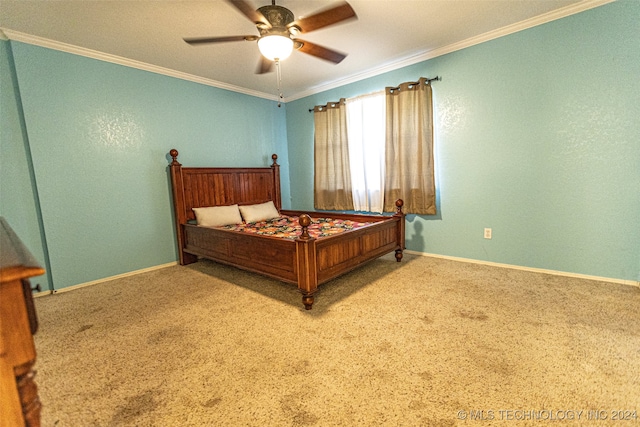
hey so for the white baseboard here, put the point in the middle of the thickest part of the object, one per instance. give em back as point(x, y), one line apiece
point(532, 269)
point(106, 279)
point(468, 260)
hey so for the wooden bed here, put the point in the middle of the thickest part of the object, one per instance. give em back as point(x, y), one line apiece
point(305, 261)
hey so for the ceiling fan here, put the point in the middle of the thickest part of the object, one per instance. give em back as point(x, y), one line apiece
point(278, 30)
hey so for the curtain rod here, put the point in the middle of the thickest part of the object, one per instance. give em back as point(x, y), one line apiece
point(436, 78)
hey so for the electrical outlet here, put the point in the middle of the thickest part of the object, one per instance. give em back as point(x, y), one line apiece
point(487, 233)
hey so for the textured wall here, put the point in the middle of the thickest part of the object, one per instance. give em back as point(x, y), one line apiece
point(536, 134)
point(537, 137)
point(100, 133)
point(18, 200)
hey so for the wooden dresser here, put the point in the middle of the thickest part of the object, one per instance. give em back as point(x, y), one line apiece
point(19, 402)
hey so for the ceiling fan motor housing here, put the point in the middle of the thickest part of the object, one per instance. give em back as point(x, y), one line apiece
point(279, 17)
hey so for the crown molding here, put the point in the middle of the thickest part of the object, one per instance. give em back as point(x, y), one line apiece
point(8, 34)
point(472, 41)
point(114, 59)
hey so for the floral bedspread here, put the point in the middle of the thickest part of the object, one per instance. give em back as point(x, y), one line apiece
point(288, 227)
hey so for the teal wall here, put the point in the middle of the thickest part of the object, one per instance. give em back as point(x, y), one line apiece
point(99, 135)
point(18, 192)
point(537, 137)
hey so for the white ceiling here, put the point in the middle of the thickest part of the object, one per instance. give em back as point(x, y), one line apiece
point(388, 34)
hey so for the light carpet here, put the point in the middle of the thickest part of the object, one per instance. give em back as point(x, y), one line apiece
point(424, 342)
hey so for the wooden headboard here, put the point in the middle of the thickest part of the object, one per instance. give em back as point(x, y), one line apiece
point(202, 187)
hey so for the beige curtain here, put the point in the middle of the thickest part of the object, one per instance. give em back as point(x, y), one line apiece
point(332, 179)
point(409, 148)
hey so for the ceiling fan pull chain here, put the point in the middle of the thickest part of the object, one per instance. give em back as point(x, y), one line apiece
point(279, 77)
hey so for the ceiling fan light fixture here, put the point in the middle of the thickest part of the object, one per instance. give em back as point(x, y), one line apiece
point(275, 47)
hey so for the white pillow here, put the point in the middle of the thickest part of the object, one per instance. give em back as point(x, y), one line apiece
point(259, 212)
point(217, 216)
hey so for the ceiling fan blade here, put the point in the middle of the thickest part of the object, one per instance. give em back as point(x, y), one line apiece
point(203, 40)
point(250, 12)
point(319, 51)
point(264, 66)
point(325, 18)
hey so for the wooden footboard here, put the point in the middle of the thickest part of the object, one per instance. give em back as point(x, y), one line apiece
point(320, 260)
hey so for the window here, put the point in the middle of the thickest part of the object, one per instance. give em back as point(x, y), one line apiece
point(366, 140)
point(374, 149)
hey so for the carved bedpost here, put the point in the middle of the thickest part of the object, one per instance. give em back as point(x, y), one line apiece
point(401, 224)
point(305, 222)
point(174, 157)
point(177, 188)
point(277, 197)
point(307, 271)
